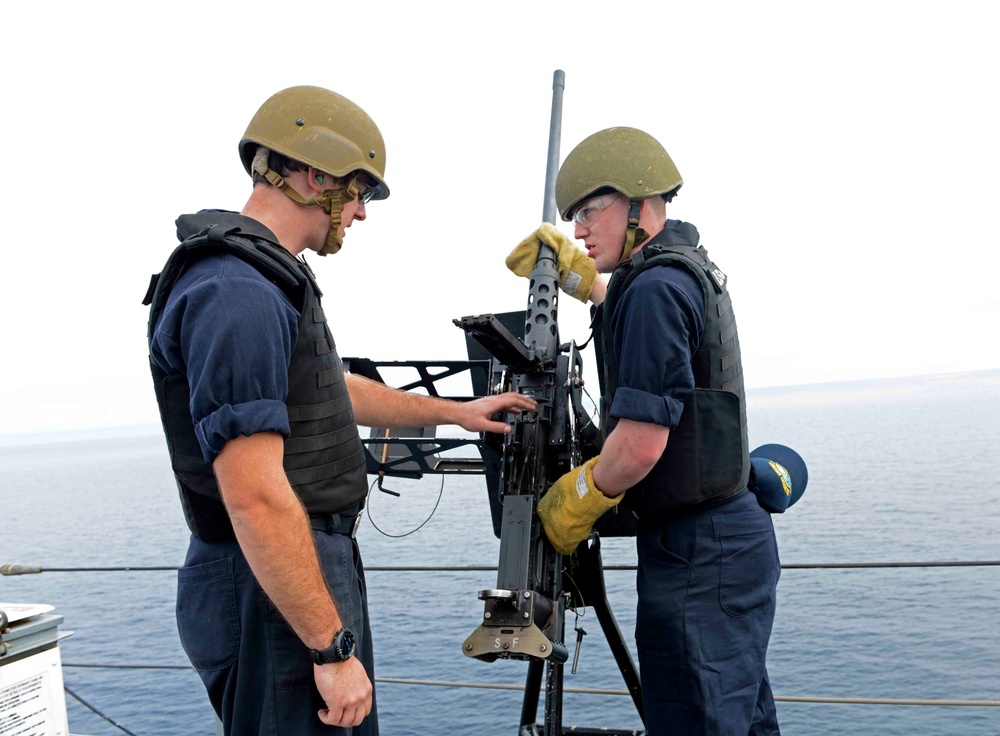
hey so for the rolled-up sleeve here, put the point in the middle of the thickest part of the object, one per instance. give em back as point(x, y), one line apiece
point(233, 337)
point(657, 327)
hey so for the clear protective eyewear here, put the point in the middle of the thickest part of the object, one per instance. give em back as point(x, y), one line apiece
point(365, 195)
point(587, 212)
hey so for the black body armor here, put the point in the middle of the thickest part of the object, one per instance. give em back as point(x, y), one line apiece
point(323, 458)
point(707, 454)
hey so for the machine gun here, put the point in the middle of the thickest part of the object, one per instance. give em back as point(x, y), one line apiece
point(524, 614)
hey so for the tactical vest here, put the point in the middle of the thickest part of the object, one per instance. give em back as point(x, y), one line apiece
point(707, 454)
point(324, 458)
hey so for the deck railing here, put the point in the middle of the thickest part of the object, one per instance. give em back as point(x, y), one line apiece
point(10, 569)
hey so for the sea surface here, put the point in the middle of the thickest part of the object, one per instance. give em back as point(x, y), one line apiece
point(903, 470)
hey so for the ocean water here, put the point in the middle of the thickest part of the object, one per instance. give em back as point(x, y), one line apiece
point(903, 470)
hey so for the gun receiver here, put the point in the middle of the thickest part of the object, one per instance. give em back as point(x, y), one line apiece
point(524, 614)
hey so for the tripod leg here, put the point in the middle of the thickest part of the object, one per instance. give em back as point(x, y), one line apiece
point(588, 577)
point(553, 700)
point(532, 688)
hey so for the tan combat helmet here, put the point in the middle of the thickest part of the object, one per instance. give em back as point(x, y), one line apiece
point(321, 129)
point(624, 159)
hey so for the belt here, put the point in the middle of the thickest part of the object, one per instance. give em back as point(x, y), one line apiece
point(343, 522)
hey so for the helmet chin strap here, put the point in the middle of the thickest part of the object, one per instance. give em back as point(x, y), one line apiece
point(332, 200)
point(635, 235)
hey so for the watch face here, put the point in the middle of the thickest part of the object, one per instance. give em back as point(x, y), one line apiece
point(344, 644)
point(341, 650)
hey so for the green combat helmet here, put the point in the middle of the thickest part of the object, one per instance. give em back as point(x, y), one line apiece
point(321, 129)
point(624, 159)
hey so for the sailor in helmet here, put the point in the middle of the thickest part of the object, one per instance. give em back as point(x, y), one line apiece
point(261, 425)
point(675, 450)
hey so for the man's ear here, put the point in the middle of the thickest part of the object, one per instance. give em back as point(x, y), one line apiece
point(317, 180)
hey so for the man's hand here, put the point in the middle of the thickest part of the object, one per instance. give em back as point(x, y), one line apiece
point(474, 416)
point(577, 272)
point(377, 405)
point(571, 506)
point(346, 690)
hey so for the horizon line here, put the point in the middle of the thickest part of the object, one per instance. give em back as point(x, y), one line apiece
point(154, 428)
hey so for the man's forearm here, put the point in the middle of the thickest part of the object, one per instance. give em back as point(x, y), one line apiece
point(629, 453)
point(377, 405)
point(273, 531)
point(599, 291)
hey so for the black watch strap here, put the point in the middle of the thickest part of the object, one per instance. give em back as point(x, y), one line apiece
point(341, 650)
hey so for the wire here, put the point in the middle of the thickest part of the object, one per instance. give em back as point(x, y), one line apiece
point(368, 507)
point(593, 412)
point(186, 667)
point(114, 723)
point(492, 568)
point(589, 691)
point(579, 595)
point(779, 698)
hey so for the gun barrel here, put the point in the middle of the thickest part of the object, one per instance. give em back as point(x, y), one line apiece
point(549, 212)
point(541, 326)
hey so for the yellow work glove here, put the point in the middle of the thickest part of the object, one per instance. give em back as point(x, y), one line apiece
point(570, 507)
point(576, 269)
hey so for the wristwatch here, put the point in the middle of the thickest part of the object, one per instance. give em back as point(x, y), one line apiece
point(341, 650)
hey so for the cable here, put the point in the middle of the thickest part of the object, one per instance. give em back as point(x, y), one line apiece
point(186, 667)
point(114, 723)
point(587, 691)
point(492, 568)
point(593, 413)
point(780, 698)
point(368, 508)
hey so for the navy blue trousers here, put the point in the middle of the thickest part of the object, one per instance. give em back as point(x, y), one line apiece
point(707, 582)
point(257, 671)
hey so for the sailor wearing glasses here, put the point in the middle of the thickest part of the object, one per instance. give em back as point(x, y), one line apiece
point(675, 450)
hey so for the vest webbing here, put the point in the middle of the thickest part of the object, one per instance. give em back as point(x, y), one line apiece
point(707, 455)
point(323, 456)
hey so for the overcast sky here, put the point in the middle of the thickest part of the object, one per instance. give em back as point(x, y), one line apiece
point(840, 160)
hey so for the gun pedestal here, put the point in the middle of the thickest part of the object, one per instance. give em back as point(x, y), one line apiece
point(588, 578)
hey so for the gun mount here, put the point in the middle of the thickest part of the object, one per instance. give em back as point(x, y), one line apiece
point(524, 614)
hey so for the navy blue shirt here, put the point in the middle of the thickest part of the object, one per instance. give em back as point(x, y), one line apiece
point(232, 333)
point(657, 326)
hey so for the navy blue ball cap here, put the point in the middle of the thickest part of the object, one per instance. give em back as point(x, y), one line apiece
point(779, 476)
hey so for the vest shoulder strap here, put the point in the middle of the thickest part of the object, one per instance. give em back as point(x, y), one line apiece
point(275, 263)
point(694, 257)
